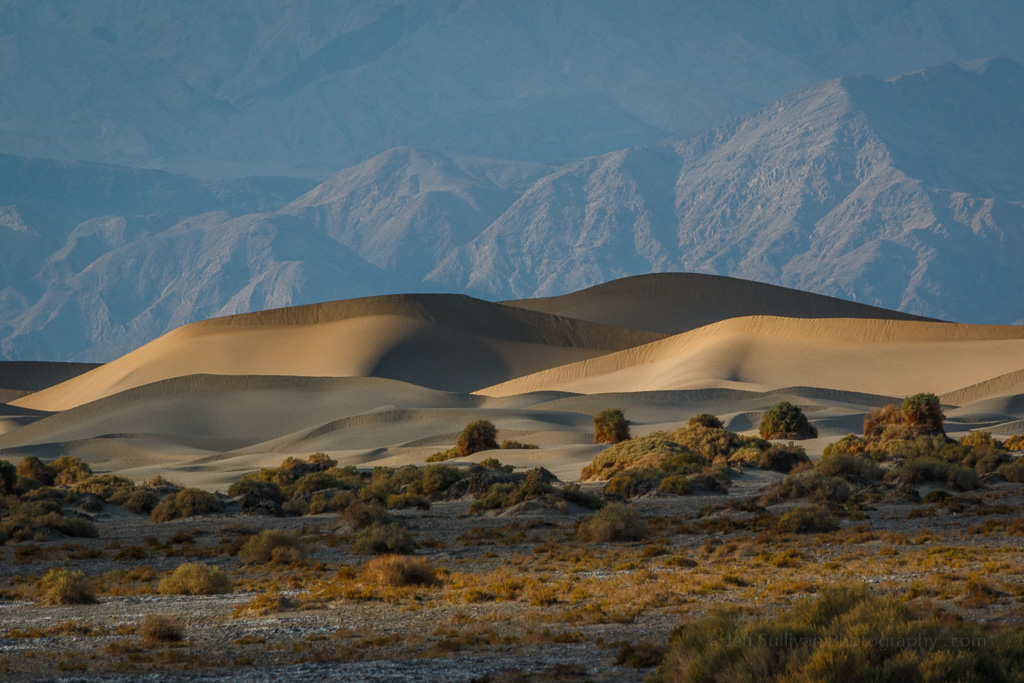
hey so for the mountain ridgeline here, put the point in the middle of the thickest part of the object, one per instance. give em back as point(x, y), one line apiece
point(905, 194)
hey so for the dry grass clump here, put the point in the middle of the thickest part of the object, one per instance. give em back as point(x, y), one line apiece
point(615, 522)
point(23, 520)
point(185, 503)
point(640, 454)
point(281, 547)
point(843, 634)
point(194, 578)
point(611, 426)
point(64, 587)
point(379, 538)
point(159, 628)
point(399, 570)
point(806, 519)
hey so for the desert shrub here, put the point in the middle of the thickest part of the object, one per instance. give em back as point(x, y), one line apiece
point(675, 485)
point(263, 547)
point(840, 634)
point(436, 478)
point(923, 411)
point(923, 469)
point(880, 419)
point(399, 570)
point(851, 444)
point(8, 478)
point(611, 426)
point(644, 453)
point(141, 502)
point(322, 459)
point(311, 483)
point(572, 493)
point(110, 487)
point(705, 420)
point(632, 483)
point(69, 471)
point(786, 421)
point(614, 522)
point(32, 467)
point(708, 442)
point(360, 515)
point(1014, 443)
point(185, 503)
point(963, 479)
point(258, 496)
point(1013, 471)
point(194, 578)
point(160, 628)
point(26, 519)
point(838, 464)
point(535, 484)
point(806, 519)
point(398, 501)
point(775, 457)
point(808, 484)
point(378, 538)
point(642, 655)
point(910, 448)
point(509, 444)
point(981, 439)
point(441, 456)
point(495, 464)
point(63, 587)
point(711, 480)
point(477, 436)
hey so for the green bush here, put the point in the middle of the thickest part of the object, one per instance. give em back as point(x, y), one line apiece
point(141, 502)
point(614, 522)
point(110, 487)
point(963, 479)
point(380, 538)
point(8, 478)
point(508, 444)
point(441, 456)
point(477, 436)
point(923, 469)
point(675, 485)
point(705, 420)
point(924, 411)
point(786, 421)
point(185, 503)
point(195, 579)
point(1013, 471)
point(642, 454)
point(32, 467)
point(69, 471)
point(708, 442)
point(774, 457)
point(611, 426)
point(283, 547)
point(851, 444)
point(850, 466)
point(838, 635)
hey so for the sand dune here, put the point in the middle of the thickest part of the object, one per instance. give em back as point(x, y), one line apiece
point(760, 353)
point(449, 342)
point(678, 302)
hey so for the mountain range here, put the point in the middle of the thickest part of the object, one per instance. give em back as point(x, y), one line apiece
point(261, 87)
point(906, 194)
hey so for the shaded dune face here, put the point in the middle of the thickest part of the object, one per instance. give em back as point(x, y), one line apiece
point(390, 380)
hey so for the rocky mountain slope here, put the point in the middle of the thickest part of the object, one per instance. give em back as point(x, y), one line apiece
point(904, 194)
point(259, 87)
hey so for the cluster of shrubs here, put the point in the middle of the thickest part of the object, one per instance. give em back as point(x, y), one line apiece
point(842, 634)
point(477, 436)
point(698, 456)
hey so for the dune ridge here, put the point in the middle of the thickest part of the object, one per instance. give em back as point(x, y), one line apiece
point(887, 357)
point(673, 303)
point(446, 342)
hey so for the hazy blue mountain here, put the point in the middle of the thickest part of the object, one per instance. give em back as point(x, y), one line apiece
point(907, 194)
point(263, 87)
